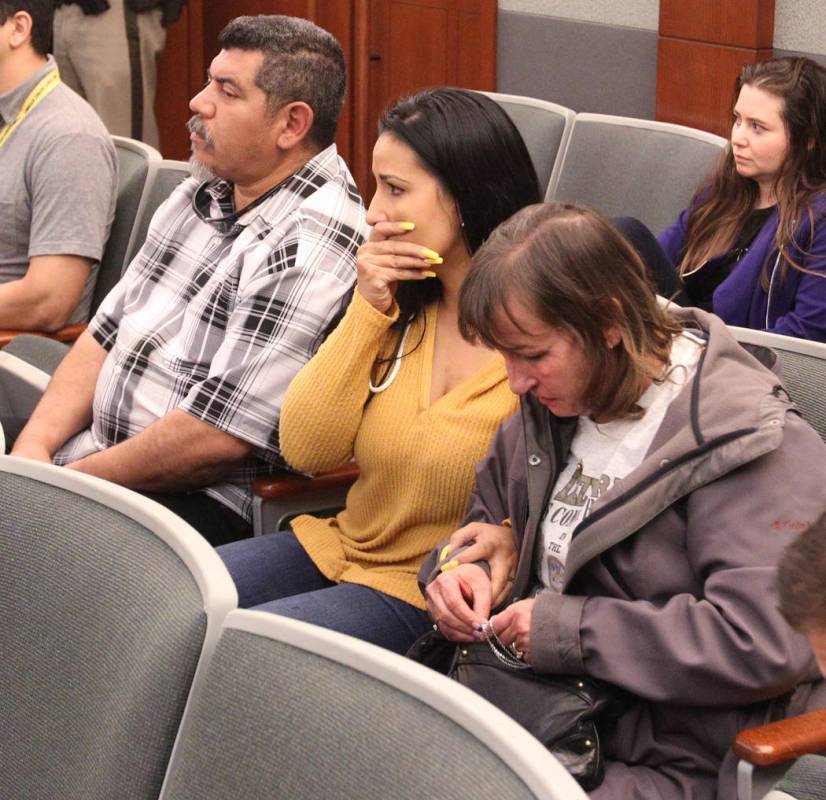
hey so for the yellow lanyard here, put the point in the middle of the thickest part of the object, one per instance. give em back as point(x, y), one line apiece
point(47, 83)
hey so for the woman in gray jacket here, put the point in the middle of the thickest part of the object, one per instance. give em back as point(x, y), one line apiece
point(633, 511)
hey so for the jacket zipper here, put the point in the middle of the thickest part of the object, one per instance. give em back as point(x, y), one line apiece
point(771, 286)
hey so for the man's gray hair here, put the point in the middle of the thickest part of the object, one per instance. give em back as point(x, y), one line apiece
point(301, 62)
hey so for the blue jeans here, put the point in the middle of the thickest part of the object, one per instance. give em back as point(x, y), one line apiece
point(274, 573)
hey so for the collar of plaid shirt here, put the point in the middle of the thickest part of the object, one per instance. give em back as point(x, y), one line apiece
point(222, 193)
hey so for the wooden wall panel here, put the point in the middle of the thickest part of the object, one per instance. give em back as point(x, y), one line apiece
point(738, 23)
point(392, 47)
point(413, 44)
point(702, 47)
point(193, 43)
point(407, 68)
point(454, 44)
point(218, 13)
point(339, 19)
point(475, 30)
point(695, 82)
point(180, 76)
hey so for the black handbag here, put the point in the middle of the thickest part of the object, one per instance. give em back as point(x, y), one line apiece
point(561, 711)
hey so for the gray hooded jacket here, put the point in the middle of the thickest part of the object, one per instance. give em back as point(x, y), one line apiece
point(670, 581)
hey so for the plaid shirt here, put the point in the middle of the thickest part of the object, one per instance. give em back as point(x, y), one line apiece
point(217, 313)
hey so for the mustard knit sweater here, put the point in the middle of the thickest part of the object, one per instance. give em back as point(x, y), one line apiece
point(416, 460)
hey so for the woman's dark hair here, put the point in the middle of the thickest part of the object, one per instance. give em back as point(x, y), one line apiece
point(723, 202)
point(471, 146)
point(574, 271)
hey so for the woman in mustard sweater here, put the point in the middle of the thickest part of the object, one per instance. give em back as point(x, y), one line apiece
point(395, 385)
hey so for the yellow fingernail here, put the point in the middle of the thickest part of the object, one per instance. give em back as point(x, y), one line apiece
point(428, 274)
point(449, 565)
point(434, 261)
point(428, 253)
point(407, 226)
point(445, 552)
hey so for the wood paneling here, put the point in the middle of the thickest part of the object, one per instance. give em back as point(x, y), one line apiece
point(420, 43)
point(392, 47)
point(180, 76)
point(407, 68)
point(336, 17)
point(193, 42)
point(218, 13)
point(702, 47)
point(695, 82)
point(339, 18)
point(738, 23)
point(414, 44)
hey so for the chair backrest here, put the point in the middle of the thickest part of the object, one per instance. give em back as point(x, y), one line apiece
point(545, 128)
point(136, 163)
point(289, 710)
point(109, 603)
point(167, 174)
point(639, 168)
point(803, 366)
point(806, 778)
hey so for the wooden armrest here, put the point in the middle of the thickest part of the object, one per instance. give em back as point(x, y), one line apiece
point(281, 484)
point(782, 741)
point(67, 334)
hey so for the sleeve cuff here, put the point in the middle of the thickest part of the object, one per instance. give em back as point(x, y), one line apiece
point(104, 330)
point(555, 644)
point(368, 314)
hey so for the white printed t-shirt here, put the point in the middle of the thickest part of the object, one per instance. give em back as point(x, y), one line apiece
point(602, 455)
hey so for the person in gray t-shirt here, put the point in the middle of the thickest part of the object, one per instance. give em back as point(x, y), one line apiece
point(58, 180)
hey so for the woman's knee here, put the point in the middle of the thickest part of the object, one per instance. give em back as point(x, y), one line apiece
point(269, 567)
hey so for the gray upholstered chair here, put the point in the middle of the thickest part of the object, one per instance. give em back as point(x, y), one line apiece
point(633, 167)
point(110, 604)
point(545, 128)
point(166, 176)
point(28, 361)
point(765, 753)
point(26, 365)
point(136, 165)
point(289, 710)
point(768, 754)
point(804, 371)
point(805, 780)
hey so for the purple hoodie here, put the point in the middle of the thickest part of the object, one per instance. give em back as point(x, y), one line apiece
point(795, 305)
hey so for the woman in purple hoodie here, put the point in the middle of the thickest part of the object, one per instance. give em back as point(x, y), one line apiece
point(752, 245)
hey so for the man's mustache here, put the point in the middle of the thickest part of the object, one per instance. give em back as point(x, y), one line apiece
point(196, 125)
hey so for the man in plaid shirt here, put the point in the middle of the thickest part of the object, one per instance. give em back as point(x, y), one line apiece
point(175, 388)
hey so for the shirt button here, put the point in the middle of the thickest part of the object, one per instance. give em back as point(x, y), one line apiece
point(534, 460)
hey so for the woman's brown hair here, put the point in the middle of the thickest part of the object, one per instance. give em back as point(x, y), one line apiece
point(574, 271)
point(722, 204)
